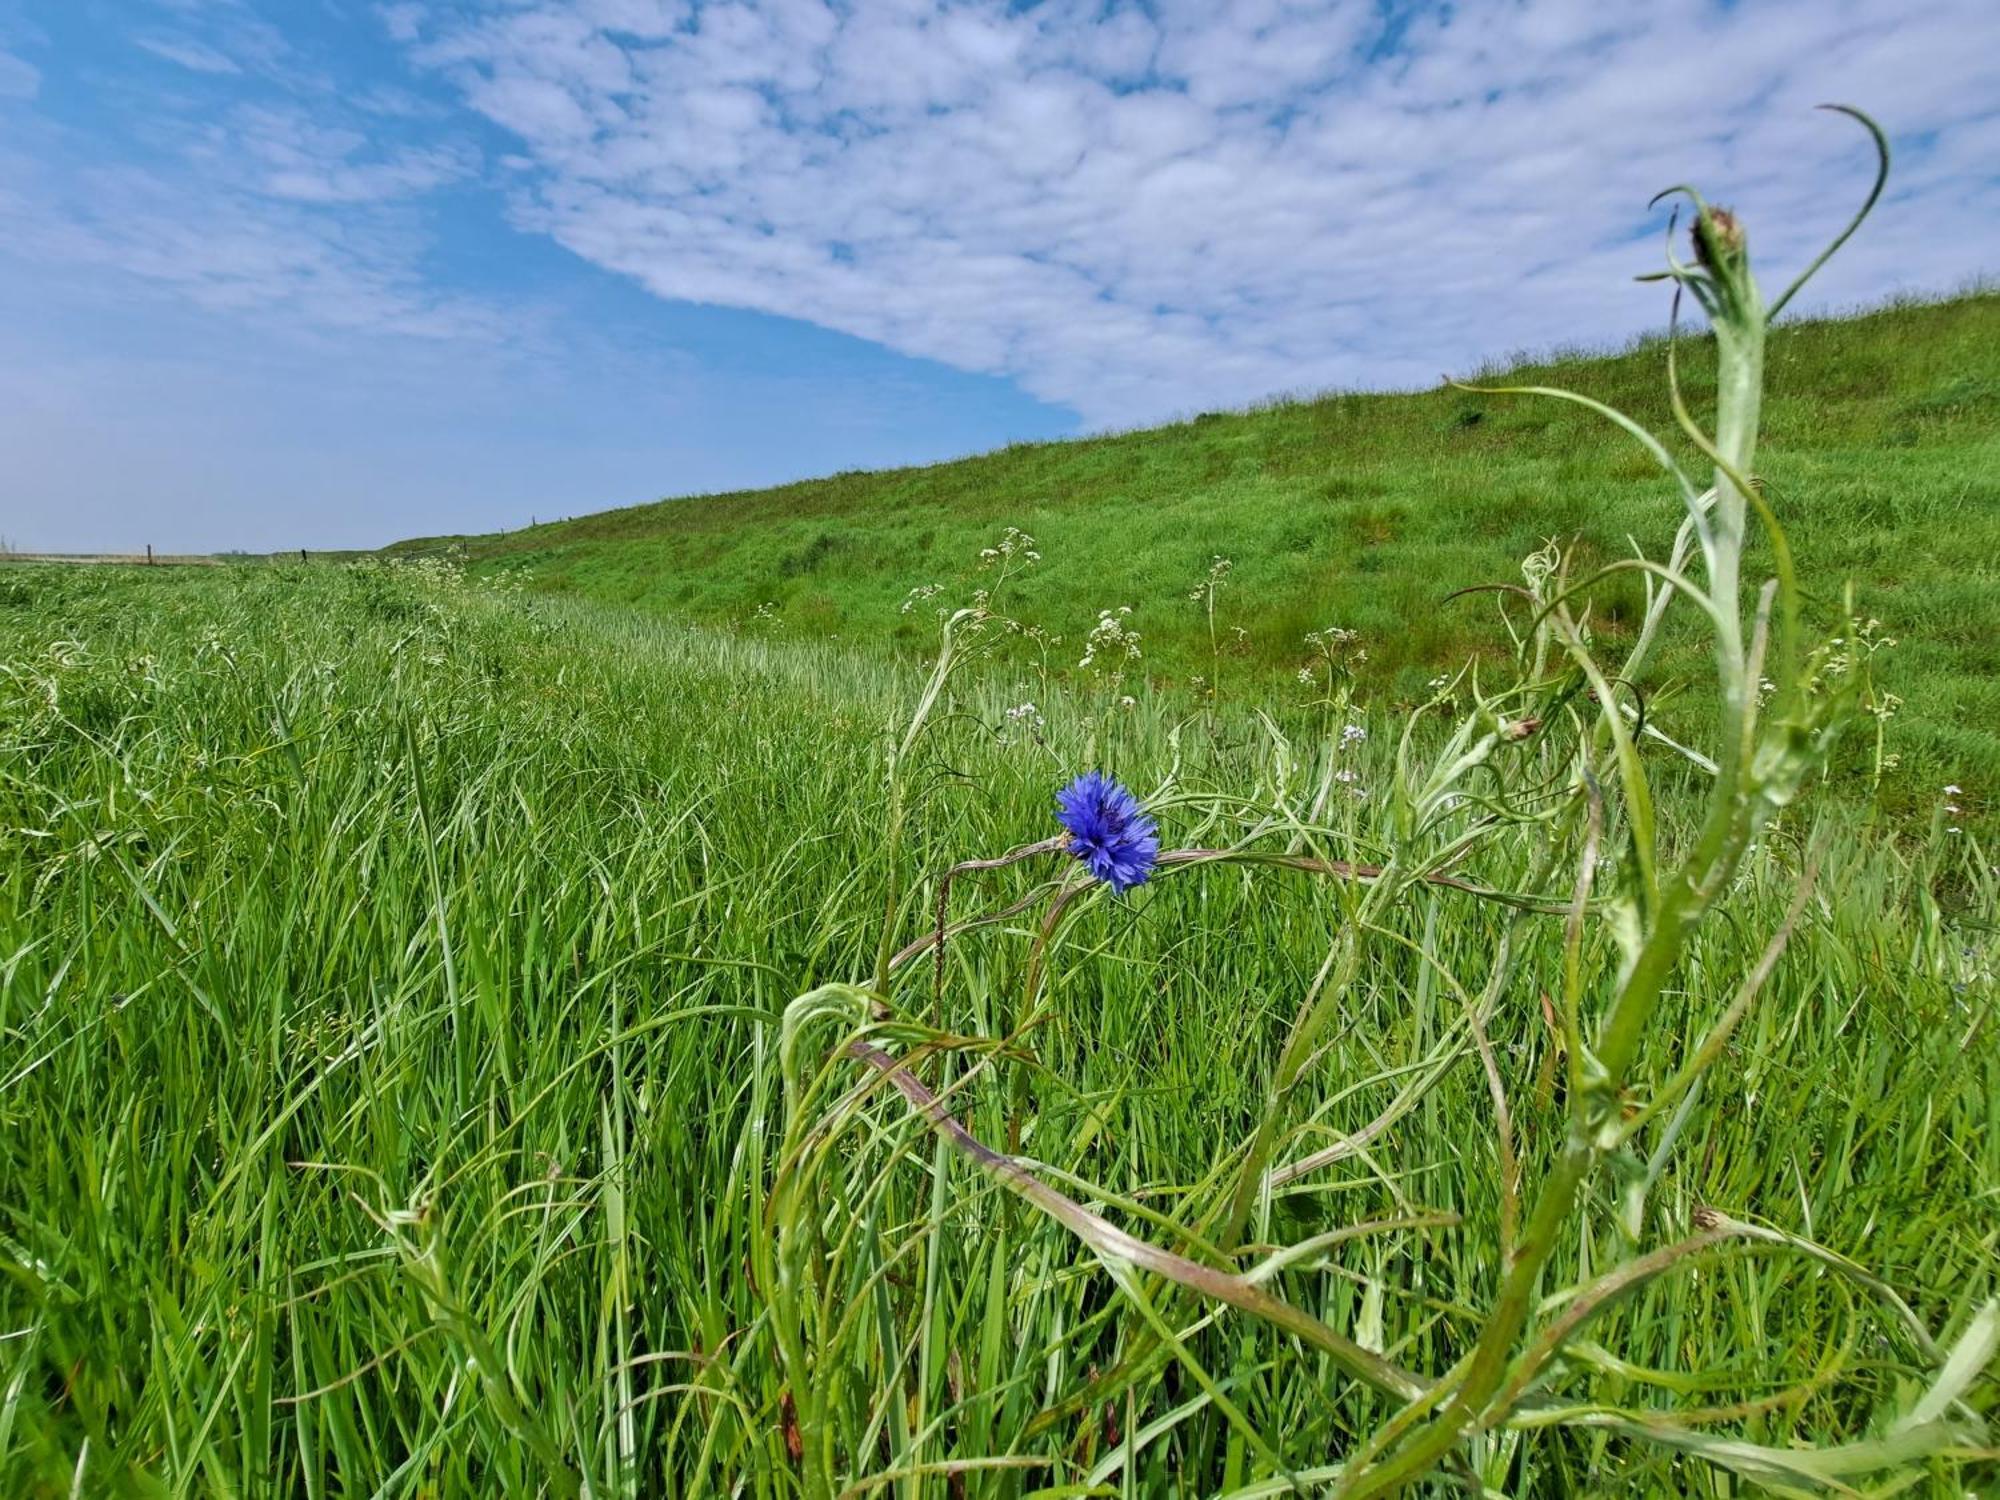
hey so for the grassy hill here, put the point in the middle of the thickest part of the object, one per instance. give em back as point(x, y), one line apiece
point(1881, 453)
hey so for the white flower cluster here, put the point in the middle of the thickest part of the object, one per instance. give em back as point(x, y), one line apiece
point(438, 574)
point(1337, 647)
point(1026, 716)
point(505, 581)
point(1218, 569)
point(1331, 638)
point(1845, 652)
point(1338, 652)
point(1112, 645)
point(923, 593)
point(1014, 546)
point(1035, 633)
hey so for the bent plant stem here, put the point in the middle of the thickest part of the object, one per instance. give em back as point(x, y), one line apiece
point(785, 1258)
point(1115, 1245)
point(1712, 1229)
point(898, 819)
point(1723, 283)
point(967, 867)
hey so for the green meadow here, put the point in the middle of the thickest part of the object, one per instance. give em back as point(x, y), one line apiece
point(653, 1005)
point(1881, 451)
point(394, 981)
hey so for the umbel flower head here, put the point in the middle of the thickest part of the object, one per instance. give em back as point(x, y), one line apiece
point(1108, 830)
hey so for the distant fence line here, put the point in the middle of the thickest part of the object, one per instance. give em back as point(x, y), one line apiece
point(150, 558)
point(114, 559)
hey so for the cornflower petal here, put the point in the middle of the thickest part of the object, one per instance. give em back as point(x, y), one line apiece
point(1108, 830)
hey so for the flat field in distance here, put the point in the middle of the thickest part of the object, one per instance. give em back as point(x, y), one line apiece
point(391, 969)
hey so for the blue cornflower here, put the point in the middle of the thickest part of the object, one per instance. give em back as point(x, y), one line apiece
point(1108, 830)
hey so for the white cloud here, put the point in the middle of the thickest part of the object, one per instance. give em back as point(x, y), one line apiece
point(301, 221)
point(402, 21)
point(230, 39)
point(288, 155)
point(19, 79)
point(196, 57)
point(1140, 210)
point(231, 253)
point(273, 195)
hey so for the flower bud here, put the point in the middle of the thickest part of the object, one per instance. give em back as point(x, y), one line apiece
point(1718, 239)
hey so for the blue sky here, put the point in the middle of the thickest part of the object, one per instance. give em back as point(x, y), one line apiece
point(330, 272)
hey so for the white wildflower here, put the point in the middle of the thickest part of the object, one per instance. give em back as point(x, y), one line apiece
point(1026, 718)
point(1015, 546)
point(1111, 644)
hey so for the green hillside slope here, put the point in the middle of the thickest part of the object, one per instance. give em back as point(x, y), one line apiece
point(1882, 455)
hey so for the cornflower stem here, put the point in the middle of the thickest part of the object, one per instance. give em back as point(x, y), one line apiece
point(1017, 1097)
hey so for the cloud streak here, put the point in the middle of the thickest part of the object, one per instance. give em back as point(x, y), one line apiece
point(196, 57)
point(1137, 211)
point(256, 191)
point(231, 252)
point(19, 78)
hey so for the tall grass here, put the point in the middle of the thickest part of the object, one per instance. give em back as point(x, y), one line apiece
point(392, 984)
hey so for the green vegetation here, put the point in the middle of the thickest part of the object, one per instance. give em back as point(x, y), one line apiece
point(392, 974)
point(1882, 451)
point(460, 1041)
